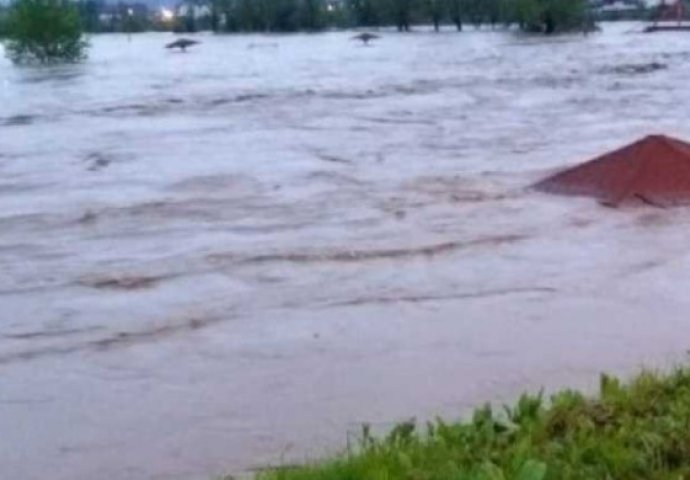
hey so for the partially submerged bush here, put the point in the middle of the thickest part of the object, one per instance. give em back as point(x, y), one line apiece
point(639, 431)
point(44, 31)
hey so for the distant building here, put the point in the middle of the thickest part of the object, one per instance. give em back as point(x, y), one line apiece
point(121, 17)
point(190, 16)
point(194, 10)
point(620, 9)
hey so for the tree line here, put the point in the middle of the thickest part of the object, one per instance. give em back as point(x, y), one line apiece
point(52, 30)
point(548, 16)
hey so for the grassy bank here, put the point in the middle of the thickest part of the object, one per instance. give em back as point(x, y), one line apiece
point(639, 430)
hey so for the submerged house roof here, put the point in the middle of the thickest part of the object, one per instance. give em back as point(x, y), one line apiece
point(654, 170)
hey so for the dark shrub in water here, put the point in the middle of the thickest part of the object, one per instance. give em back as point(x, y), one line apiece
point(44, 31)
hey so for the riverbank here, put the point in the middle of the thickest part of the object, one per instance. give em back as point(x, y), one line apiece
point(639, 430)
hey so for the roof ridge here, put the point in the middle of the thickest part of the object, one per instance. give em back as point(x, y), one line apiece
point(675, 145)
point(648, 163)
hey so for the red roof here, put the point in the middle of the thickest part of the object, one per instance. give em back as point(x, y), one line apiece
point(654, 170)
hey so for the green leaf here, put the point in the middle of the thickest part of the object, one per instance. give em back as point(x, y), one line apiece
point(489, 471)
point(405, 461)
point(532, 470)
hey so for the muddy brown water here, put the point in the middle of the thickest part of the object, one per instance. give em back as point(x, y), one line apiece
point(233, 257)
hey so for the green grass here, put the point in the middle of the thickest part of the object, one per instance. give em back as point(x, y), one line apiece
point(639, 430)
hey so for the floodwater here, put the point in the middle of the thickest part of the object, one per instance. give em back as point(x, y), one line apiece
point(233, 257)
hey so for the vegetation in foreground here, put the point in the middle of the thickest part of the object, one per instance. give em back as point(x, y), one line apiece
point(636, 431)
point(44, 31)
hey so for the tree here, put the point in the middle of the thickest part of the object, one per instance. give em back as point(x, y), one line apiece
point(472, 11)
point(311, 15)
point(402, 12)
point(493, 12)
point(336, 15)
point(215, 6)
point(527, 14)
point(246, 16)
point(549, 16)
point(366, 13)
point(436, 9)
point(456, 13)
point(285, 16)
point(562, 16)
point(44, 31)
point(88, 12)
point(475, 11)
point(3, 22)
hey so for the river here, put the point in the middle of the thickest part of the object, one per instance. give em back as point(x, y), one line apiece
point(231, 257)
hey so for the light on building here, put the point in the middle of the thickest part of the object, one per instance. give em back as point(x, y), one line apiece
point(167, 14)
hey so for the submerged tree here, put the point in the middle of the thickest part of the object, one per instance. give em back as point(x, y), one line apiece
point(44, 31)
point(563, 16)
point(311, 14)
point(367, 13)
point(494, 12)
point(401, 13)
point(549, 16)
point(456, 13)
point(476, 11)
point(436, 11)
